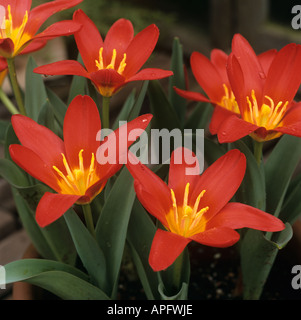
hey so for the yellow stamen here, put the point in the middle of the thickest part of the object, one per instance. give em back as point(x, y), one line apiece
point(186, 220)
point(267, 115)
point(228, 100)
point(77, 180)
point(15, 33)
point(112, 63)
point(100, 63)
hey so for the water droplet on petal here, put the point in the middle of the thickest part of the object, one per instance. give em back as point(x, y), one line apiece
point(262, 75)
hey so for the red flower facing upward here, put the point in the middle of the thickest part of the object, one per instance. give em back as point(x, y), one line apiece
point(69, 167)
point(19, 25)
point(196, 207)
point(252, 94)
point(114, 62)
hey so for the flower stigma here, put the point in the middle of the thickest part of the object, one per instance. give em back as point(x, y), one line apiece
point(186, 220)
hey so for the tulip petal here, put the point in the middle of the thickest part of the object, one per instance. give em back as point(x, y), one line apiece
point(148, 184)
point(107, 79)
point(219, 60)
point(66, 67)
point(88, 40)
point(140, 49)
point(237, 82)
point(266, 58)
point(118, 143)
point(118, 37)
point(39, 139)
point(221, 180)
point(283, 79)
point(6, 47)
point(250, 65)
point(220, 237)
point(191, 95)
point(207, 76)
point(234, 128)
point(150, 74)
point(218, 117)
point(18, 9)
point(153, 203)
point(184, 168)
point(81, 125)
point(33, 164)
point(166, 247)
point(41, 13)
point(238, 215)
point(61, 28)
point(52, 206)
point(34, 45)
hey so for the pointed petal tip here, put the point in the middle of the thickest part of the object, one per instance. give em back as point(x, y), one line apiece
point(52, 206)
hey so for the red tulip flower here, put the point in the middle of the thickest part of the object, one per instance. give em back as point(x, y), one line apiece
point(20, 26)
point(196, 207)
point(252, 94)
point(69, 167)
point(114, 62)
point(265, 97)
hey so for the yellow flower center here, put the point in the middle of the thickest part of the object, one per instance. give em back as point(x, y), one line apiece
point(15, 33)
point(228, 101)
point(100, 63)
point(186, 220)
point(77, 181)
point(268, 115)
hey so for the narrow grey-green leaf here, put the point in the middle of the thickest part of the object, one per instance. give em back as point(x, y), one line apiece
point(140, 239)
point(177, 80)
point(279, 169)
point(252, 188)
point(112, 225)
point(35, 91)
point(88, 250)
point(164, 114)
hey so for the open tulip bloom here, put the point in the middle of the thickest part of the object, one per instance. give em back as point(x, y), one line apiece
point(254, 95)
point(114, 62)
point(20, 25)
point(69, 167)
point(196, 207)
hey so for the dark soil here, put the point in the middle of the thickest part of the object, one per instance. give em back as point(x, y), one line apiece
point(215, 275)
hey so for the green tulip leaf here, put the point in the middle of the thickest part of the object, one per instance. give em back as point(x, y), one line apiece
point(64, 281)
point(258, 253)
point(177, 80)
point(140, 240)
point(35, 91)
point(252, 188)
point(279, 169)
point(165, 115)
point(88, 250)
point(111, 228)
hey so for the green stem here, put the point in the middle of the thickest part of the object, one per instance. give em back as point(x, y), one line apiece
point(15, 85)
point(258, 151)
point(8, 104)
point(105, 112)
point(88, 218)
point(177, 271)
